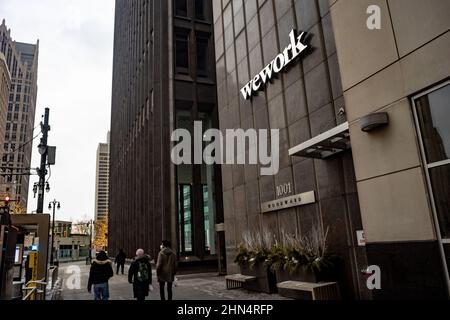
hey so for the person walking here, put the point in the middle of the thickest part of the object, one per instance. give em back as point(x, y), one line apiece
point(166, 269)
point(99, 275)
point(120, 261)
point(140, 275)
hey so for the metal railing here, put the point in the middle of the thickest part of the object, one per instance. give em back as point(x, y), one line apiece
point(35, 290)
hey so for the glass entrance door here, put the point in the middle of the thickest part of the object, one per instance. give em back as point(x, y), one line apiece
point(432, 113)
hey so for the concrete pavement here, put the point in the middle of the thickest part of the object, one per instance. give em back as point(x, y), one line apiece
point(190, 287)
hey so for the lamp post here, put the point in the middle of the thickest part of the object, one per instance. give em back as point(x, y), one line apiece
point(55, 205)
point(43, 151)
point(90, 224)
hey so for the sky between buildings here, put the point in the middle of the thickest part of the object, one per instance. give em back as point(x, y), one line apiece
point(74, 81)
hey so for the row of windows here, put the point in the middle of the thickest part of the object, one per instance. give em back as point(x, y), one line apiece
point(182, 9)
point(10, 117)
point(25, 108)
point(14, 127)
point(11, 157)
point(18, 88)
point(26, 98)
point(182, 49)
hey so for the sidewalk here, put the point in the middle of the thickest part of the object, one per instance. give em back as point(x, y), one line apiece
point(191, 287)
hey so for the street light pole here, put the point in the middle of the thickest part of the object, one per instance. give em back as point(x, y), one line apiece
point(43, 150)
point(91, 223)
point(56, 204)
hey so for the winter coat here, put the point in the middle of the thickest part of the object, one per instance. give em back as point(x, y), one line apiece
point(101, 272)
point(140, 288)
point(166, 268)
point(120, 258)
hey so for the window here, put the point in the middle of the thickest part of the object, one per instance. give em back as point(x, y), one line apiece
point(432, 112)
point(200, 9)
point(202, 56)
point(181, 8)
point(182, 52)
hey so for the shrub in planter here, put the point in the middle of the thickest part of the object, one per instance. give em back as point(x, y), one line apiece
point(251, 258)
point(303, 259)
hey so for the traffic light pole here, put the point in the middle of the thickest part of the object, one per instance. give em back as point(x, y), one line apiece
point(43, 147)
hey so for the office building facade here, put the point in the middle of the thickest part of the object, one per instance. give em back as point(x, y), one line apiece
point(163, 79)
point(5, 84)
point(102, 182)
point(360, 96)
point(22, 61)
point(363, 119)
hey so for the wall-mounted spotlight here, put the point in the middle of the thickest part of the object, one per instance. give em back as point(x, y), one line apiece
point(374, 121)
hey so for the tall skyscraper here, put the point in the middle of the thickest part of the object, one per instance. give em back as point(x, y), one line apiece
point(102, 182)
point(22, 61)
point(5, 84)
point(163, 79)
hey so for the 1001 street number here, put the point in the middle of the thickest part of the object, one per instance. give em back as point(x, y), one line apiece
point(226, 310)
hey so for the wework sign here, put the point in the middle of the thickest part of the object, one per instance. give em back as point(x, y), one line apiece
point(281, 61)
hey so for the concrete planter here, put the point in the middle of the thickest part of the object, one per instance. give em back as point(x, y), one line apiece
point(265, 279)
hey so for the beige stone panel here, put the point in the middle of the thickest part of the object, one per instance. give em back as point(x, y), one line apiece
point(395, 208)
point(428, 65)
point(417, 22)
point(361, 52)
point(375, 93)
point(388, 149)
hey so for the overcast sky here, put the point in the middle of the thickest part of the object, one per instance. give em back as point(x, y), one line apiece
point(74, 81)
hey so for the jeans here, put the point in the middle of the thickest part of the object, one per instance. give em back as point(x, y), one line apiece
point(162, 291)
point(120, 266)
point(101, 291)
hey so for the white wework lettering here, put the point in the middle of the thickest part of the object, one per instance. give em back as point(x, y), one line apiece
point(256, 83)
point(266, 74)
point(278, 63)
point(247, 91)
point(295, 48)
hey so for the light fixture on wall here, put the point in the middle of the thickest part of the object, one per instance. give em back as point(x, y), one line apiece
point(374, 121)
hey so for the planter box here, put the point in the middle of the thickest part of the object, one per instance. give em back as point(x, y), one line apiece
point(301, 275)
point(265, 282)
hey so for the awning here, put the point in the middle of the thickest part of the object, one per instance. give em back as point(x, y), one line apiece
point(324, 145)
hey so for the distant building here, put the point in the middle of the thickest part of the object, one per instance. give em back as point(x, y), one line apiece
point(67, 245)
point(22, 61)
point(102, 182)
point(5, 84)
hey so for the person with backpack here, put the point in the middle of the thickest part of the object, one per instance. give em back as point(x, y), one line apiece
point(120, 261)
point(140, 275)
point(99, 275)
point(166, 268)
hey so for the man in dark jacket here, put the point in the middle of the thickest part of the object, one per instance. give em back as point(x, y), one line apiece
point(120, 261)
point(99, 275)
point(166, 268)
point(140, 275)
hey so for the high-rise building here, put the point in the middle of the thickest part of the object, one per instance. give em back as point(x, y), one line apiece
point(102, 182)
point(363, 114)
point(360, 103)
point(163, 79)
point(22, 61)
point(5, 84)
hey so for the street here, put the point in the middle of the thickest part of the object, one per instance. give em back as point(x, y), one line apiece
point(189, 287)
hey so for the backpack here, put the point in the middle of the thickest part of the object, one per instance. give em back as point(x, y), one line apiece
point(143, 272)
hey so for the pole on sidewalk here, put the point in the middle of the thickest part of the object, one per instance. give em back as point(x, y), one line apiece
point(43, 150)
